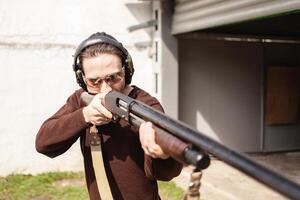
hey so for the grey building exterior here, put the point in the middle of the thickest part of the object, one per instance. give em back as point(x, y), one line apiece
point(231, 69)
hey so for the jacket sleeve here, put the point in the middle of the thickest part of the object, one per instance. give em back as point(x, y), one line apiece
point(59, 132)
point(156, 168)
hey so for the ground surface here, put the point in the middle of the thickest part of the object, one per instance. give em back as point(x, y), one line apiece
point(222, 182)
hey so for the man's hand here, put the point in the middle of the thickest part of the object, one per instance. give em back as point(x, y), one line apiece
point(147, 139)
point(95, 113)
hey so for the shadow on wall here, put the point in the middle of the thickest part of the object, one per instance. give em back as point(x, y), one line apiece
point(205, 127)
point(220, 90)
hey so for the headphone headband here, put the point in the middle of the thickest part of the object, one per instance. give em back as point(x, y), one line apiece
point(96, 40)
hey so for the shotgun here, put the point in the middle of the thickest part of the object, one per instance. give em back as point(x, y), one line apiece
point(190, 146)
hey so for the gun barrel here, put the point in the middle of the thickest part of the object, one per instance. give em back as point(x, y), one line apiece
point(170, 144)
point(201, 141)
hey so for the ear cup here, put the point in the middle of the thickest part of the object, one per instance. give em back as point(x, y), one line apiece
point(97, 38)
point(129, 70)
point(79, 78)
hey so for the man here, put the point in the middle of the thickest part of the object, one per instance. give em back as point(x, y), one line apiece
point(132, 159)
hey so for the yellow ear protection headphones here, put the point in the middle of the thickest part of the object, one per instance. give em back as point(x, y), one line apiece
point(97, 38)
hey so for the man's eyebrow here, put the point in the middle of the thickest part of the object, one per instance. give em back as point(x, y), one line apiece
point(112, 73)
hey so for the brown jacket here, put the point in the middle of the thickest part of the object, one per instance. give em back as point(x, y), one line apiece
point(132, 175)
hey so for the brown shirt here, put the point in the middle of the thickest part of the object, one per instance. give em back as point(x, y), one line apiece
point(131, 174)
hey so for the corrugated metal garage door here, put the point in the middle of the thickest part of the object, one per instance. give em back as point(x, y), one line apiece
point(191, 15)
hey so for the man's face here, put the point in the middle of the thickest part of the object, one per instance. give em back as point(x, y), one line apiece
point(103, 73)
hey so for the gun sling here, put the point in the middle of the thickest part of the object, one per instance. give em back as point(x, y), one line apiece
point(98, 165)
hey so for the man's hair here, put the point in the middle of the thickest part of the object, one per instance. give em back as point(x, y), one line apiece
point(98, 49)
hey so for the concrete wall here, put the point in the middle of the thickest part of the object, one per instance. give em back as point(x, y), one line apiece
point(220, 85)
point(37, 41)
point(168, 62)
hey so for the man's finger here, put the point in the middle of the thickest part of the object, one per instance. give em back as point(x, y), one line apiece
point(150, 136)
point(104, 111)
point(100, 108)
point(141, 133)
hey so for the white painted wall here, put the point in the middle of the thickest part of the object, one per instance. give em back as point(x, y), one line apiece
point(37, 41)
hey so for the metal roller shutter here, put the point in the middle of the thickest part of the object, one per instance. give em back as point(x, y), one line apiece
point(191, 15)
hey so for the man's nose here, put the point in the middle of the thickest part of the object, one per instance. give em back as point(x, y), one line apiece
point(104, 87)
